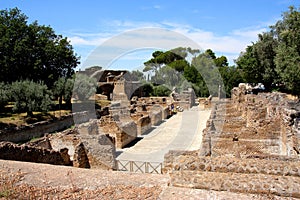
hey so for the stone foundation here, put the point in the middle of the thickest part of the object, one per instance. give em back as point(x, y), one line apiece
point(11, 151)
point(273, 175)
point(250, 145)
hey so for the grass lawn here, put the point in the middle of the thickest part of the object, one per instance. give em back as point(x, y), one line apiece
point(19, 119)
point(10, 119)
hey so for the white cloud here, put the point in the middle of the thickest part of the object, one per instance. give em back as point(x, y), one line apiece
point(155, 7)
point(230, 44)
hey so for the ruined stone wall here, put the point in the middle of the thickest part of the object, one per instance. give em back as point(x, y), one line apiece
point(122, 131)
point(11, 151)
point(100, 152)
point(88, 147)
point(156, 116)
point(143, 125)
point(186, 99)
point(270, 175)
point(276, 113)
point(261, 124)
point(39, 129)
point(127, 133)
point(250, 145)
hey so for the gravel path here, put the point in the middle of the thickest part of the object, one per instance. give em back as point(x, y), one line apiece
point(182, 131)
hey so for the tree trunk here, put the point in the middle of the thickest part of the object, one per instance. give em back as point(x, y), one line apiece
point(29, 113)
point(60, 101)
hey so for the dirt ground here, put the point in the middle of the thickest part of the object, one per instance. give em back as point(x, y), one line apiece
point(22, 180)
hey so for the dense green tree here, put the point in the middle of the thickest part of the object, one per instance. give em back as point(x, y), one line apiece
point(59, 89)
point(191, 74)
point(161, 90)
point(32, 51)
point(30, 96)
point(275, 57)
point(68, 92)
point(63, 89)
point(167, 67)
point(161, 59)
point(179, 65)
point(136, 75)
point(287, 32)
point(167, 76)
point(210, 77)
point(257, 63)
point(203, 73)
point(4, 94)
point(221, 61)
point(84, 87)
point(147, 89)
point(231, 78)
point(211, 54)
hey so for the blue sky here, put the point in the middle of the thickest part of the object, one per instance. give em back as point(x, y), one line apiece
point(226, 27)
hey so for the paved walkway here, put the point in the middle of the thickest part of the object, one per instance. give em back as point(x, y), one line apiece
point(182, 131)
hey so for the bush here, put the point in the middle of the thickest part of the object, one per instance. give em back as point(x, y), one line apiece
point(30, 96)
point(84, 87)
point(161, 91)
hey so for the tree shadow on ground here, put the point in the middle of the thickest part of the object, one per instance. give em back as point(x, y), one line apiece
point(39, 117)
point(7, 125)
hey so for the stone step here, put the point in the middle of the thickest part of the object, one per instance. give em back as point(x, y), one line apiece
point(284, 186)
point(232, 165)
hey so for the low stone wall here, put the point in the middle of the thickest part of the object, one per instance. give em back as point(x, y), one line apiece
point(100, 152)
point(39, 129)
point(240, 183)
point(127, 133)
point(143, 125)
point(165, 112)
point(271, 166)
point(272, 175)
point(66, 139)
point(11, 151)
point(156, 115)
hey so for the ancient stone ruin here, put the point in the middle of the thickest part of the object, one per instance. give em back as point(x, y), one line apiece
point(90, 142)
point(83, 146)
point(250, 145)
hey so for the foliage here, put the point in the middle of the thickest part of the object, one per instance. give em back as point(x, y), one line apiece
point(287, 57)
point(32, 51)
point(147, 89)
point(63, 89)
point(204, 74)
point(136, 75)
point(257, 63)
point(84, 87)
point(69, 85)
point(30, 96)
point(210, 77)
point(4, 94)
point(161, 90)
point(275, 57)
point(231, 78)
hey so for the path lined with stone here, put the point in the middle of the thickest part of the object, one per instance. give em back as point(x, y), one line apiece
point(182, 131)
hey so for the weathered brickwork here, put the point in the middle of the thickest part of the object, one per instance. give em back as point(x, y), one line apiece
point(250, 145)
point(11, 151)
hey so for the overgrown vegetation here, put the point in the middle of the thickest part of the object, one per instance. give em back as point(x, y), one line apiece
point(275, 58)
point(204, 72)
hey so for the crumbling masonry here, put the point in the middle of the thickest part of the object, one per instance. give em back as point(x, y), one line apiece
point(250, 145)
